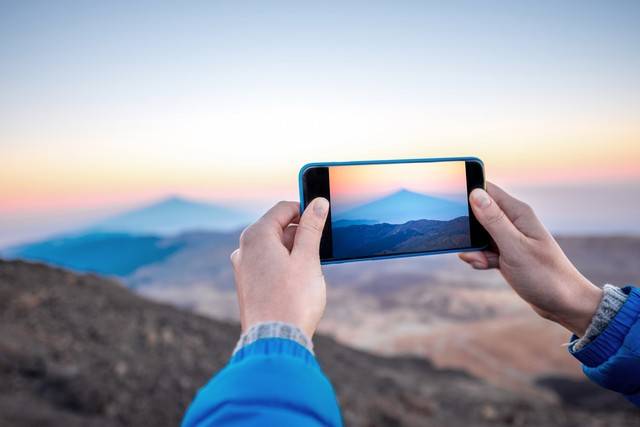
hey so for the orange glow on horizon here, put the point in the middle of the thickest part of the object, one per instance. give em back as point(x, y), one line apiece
point(84, 188)
point(74, 176)
point(365, 182)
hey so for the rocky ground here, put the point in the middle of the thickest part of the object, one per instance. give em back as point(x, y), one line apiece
point(79, 350)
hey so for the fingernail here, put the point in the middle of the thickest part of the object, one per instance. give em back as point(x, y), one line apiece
point(477, 265)
point(321, 207)
point(480, 198)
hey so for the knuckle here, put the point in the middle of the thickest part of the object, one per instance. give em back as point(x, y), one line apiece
point(282, 204)
point(496, 218)
point(248, 235)
point(527, 210)
point(312, 226)
point(524, 241)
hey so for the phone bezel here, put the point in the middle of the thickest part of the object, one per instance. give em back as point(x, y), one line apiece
point(474, 168)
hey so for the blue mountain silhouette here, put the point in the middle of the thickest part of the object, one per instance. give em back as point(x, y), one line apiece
point(401, 207)
point(174, 215)
point(121, 254)
point(122, 244)
point(116, 254)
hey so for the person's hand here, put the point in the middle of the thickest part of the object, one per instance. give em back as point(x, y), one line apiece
point(531, 260)
point(277, 267)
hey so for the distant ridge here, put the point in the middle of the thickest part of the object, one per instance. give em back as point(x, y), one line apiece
point(401, 207)
point(117, 254)
point(174, 215)
point(124, 243)
point(412, 236)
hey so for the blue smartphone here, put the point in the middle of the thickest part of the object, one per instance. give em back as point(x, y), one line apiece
point(395, 208)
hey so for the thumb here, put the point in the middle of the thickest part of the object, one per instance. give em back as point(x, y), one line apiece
point(494, 220)
point(309, 232)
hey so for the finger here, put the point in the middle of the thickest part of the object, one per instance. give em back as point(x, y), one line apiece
point(509, 204)
point(289, 235)
point(476, 259)
point(481, 260)
point(281, 215)
point(309, 232)
point(494, 220)
point(520, 213)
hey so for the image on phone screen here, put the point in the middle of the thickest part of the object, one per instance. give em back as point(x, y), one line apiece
point(397, 208)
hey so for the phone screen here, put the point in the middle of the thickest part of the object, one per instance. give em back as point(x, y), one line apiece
point(397, 208)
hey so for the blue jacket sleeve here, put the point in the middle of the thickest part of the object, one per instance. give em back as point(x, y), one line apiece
point(612, 359)
point(273, 381)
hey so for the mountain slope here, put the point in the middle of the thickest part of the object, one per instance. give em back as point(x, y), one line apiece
point(117, 254)
point(121, 254)
point(175, 215)
point(403, 206)
point(412, 236)
point(84, 351)
point(122, 244)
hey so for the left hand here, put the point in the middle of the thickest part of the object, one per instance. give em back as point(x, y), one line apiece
point(277, 267)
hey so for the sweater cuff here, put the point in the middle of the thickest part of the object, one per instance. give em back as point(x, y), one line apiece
point(266, 330)
point(612, 300)
point(274, 347)
point(609, 341)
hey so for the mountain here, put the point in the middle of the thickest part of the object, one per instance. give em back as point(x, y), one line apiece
point(175, 215)
point(122, 254)
point(79, 350)
point(116, 254)
point(412, 236)
point(403, 206)
point(122, 244)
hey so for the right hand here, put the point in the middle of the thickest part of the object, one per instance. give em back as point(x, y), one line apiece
point(531, 261)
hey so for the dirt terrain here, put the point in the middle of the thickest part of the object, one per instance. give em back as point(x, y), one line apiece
point(79, 350)
point(435, 307)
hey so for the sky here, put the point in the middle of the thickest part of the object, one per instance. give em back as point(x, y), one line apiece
point(351, 186)
point(108, 105)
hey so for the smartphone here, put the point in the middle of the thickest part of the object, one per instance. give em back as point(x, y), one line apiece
point(395, 208)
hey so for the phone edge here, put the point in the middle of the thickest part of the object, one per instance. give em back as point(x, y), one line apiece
point(381, 162)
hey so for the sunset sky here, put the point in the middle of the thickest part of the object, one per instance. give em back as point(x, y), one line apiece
point(356, 185)
point(108, 105)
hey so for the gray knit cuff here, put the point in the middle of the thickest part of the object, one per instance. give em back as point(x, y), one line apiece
point(612, 300)
point(274, 330)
